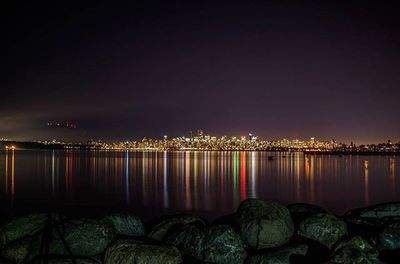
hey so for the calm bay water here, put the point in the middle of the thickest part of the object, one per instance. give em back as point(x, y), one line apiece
point(211, 183)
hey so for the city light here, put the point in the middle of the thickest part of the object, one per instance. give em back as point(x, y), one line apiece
point(202, 141)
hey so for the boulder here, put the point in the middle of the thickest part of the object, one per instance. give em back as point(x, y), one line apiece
point(136, 252)
point(20, 227)
point(389, 239)
point(280, 256)
point(86, 237)
point(68, 260)
point(393, 222)
point(187, 238)
point(379, 211)
point(127, 224)
point(215, 244)
point(301, 211)
point(264, 224)
point(220, 244)
point(324, 228)
point(159, 230)
point(305, 208)
point(22, 250)
point(356, 250)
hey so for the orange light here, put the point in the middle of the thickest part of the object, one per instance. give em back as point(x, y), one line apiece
point(12, 147)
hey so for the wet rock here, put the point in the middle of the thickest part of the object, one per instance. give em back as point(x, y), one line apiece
point(68, 260)
point(21, 250)
point(393, 222)
point(356, 250)
point(85, 237)
point(220, 244)
point(379, 211)
point(127, 224)
point(158, 231)
point(349, 255)
point(389, 239)
point(324, 228)
point(281, 256)
point(264, 224)
point(301, 211)
point(136, 252)
point(216, 243)
point(361, 227)
point(187, 238)
point(20, 227)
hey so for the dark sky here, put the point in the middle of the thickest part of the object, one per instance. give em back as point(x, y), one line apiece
point(294, 69)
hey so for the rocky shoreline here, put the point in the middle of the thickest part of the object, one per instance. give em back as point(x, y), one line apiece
point(259, 232)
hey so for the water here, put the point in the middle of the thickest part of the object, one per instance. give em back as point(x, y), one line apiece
point(210, 183)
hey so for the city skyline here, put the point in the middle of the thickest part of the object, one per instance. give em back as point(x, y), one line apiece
point(72, 128)
point(124, 71)
point(200, 141)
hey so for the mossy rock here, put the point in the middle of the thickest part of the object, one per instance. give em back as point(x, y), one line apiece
point(68, 260)
point(20, 227)
point(127, 224)
point(22, 250)
point(378, 211)
point(356, 250)
point(187, 238)
point(389, 239)
point(220, 244)
point(324, 228)
point(160, 230)
point(214, 244)
point(86, 237)
point(280, 256)
point(264, 224)
point(136, 252)
point(301, 211)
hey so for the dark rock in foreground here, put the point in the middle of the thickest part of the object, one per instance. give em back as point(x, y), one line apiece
point(160, 230)
point(20, 227)
point(260, 232)
point(379, 211)
point(136, 252)
point(356, 250)
point(281, 256)
point(215, 244)
point(264, 224)
point(68, 260)
point(324, 228)
point(187, 238)
point(301, 211)
point(127, 224)
point(86, 237)
point(220, 244)
point(389, 239)
point(21, 250)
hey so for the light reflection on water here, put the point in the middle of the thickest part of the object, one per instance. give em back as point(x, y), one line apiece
point(208, 181)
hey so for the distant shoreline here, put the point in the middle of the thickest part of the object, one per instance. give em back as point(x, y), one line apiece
point(306, 152)
point(211, 143)
point(360, 153)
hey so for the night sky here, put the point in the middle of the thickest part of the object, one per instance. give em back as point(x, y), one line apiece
point(278, 69)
